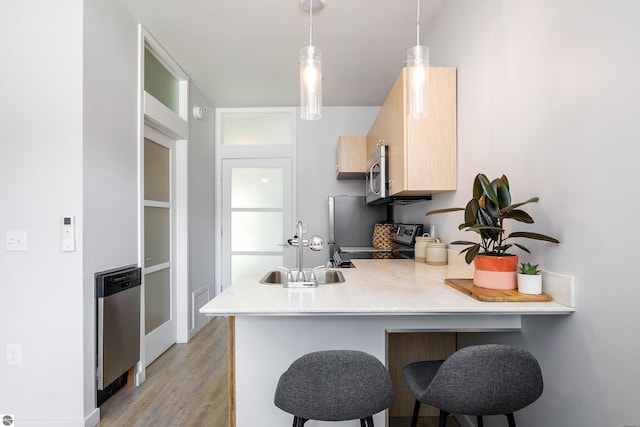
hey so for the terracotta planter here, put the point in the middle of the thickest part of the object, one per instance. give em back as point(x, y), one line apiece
point(496, 272)
point(530, 284)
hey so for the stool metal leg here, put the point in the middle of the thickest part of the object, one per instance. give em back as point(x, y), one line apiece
point(443, 418)
point(298, 421)
point(416, 411)
point(366, 422)
point(479, 418)
point(512, 420)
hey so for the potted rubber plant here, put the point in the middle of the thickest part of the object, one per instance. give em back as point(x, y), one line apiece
point(485, 213)
point(529, 279)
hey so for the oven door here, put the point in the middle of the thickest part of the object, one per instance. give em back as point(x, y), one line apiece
point(377, 179)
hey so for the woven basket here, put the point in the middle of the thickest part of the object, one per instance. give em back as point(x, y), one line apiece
point(383, 237)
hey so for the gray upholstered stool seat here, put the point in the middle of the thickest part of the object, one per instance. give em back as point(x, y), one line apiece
point(479, 380)
point(335, 385)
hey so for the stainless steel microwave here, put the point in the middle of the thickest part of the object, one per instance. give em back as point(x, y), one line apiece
point(377, 178)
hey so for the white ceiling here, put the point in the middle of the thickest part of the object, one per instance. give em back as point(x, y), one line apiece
point(244, 53)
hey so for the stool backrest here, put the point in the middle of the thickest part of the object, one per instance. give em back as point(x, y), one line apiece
point(486, 380)
point(335, 385)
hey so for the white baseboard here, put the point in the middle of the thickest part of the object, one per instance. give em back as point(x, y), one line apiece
point(199, 297)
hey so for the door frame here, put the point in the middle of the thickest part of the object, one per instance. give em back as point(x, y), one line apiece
point(247, 152)
point(156, 115)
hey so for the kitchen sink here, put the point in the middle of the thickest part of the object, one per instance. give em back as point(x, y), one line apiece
point(322, 277)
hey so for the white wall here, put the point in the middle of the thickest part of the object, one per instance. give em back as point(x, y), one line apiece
point(41, 290)
point(548, 95)
point(110, 158)
point(316, 162)
point(69, 148)
point(201, 208)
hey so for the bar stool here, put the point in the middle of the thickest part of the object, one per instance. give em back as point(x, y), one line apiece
point(335, 385)
point(479, 380)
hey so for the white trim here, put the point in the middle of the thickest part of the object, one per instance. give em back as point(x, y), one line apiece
point(182, 241)
point(156, 204)
point(194, 307)
point(140, 372)
point(175, 126)
point(170, 64)
point(163, 118)
point(93, 418)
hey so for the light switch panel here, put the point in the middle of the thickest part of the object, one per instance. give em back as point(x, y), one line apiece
point(16, 240)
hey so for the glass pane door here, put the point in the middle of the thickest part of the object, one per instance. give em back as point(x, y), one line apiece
point(159, 292)
point(256, 220)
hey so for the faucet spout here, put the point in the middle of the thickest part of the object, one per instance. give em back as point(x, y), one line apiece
point(299, 258)
point(315, 243)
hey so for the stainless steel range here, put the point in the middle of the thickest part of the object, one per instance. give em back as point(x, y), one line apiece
point(405, 241)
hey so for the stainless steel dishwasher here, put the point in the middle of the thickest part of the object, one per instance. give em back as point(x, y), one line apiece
point(118, 327)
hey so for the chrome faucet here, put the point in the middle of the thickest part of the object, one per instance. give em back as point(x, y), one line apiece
point(316, 243)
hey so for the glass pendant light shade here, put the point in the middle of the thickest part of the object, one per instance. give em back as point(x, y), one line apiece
point(310, 83)
point(417, 82)
point(417, 78)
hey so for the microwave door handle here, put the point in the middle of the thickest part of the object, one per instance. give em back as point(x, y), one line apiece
point(373, 190)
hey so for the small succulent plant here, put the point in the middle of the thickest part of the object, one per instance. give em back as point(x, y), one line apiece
point(527, 268)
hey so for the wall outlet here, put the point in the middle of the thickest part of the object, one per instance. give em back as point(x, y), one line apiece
point(16, 240)
point(14, 355)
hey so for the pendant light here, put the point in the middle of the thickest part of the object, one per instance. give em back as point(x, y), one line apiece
point(417, 78)
point(311, 70)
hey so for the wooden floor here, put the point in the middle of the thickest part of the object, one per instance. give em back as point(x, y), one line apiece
point(187, 386)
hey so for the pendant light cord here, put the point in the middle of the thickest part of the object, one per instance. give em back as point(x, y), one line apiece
point(418, 25)
point(310, 23)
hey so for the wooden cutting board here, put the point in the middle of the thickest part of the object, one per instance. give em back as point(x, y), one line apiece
point(494, 295)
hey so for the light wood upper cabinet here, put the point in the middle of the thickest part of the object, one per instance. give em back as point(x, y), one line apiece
point(351, 157)
point(422, 152)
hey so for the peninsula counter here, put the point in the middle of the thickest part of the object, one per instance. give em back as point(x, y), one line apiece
point(271, 326)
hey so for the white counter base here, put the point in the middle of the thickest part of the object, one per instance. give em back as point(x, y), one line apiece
point(266, 346)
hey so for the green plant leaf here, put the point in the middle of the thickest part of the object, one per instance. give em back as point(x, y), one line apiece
point(437, 211)
point(518, 215)
point(484, 217)
point(471, 211)
point(477, 186)
point(522, 247)
point(463, 242)
point(502, 249)
point(503, 195)
point(505, 180)
point(527, 268)
point(471, 253)
point(517, 205)
point(487, 188)
point(534, 236)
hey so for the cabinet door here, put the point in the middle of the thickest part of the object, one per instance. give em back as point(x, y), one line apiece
point(422, 152)
point(405, 348)
point(389, 127)
point(431, 151)
point(351, 155)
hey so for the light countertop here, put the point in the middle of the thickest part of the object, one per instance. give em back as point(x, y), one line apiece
point(374, 287)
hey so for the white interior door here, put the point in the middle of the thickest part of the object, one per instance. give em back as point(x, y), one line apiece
point(159, 281)
point(257, 217)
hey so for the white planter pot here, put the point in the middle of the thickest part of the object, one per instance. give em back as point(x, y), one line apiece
point(530, 284)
